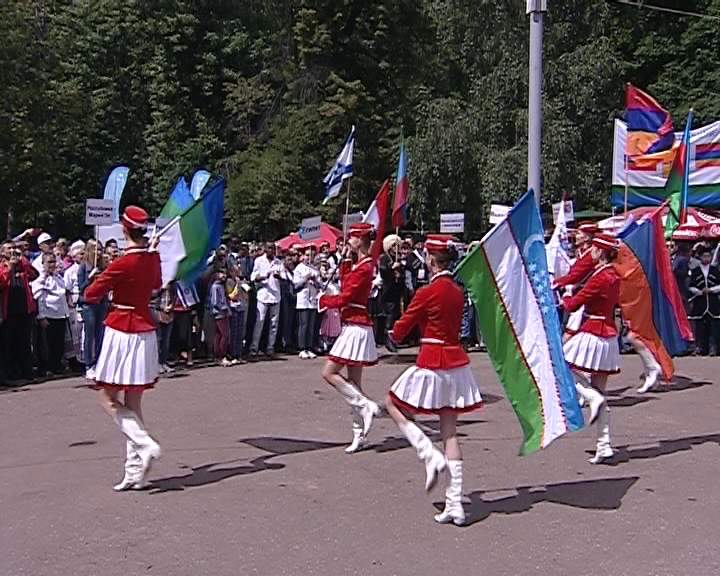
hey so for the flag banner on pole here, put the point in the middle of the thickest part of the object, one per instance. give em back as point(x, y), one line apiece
point(341, 170)
point(114, 187)
point(507, 279)
point(199, 179)
point(649, 297)
point(179, 201)
point(186, 245)
point(400, 199)
point(650, 127)
point(558, 253)
point(377, 216)
point(647, 174)
point(676, 187)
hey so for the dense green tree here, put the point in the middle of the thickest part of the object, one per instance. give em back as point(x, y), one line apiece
point(263, 94)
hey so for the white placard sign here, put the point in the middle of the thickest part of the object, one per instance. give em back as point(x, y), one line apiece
point(452, 223)
point(98, 212)
point(569, 211)
point(310, 228)
point(498, 213)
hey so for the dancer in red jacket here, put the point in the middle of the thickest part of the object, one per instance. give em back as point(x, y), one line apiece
point(594, 350)
point(128, 360)
point(355, 347)
point(441, 382)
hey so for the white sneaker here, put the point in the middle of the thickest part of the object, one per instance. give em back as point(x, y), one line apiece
point(225, 362)
point(303, 355)
point(310, 354)
point(168, 369)
point(90, 373)
point(162, 369)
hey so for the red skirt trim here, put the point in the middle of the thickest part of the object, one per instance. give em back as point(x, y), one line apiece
point(123, 387)
point(444, 410)
point(589, 371)
point(346, 362)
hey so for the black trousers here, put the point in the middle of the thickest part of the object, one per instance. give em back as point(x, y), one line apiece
point(51, 340)
point(707, 330)
point(16, 334)
point(306, 328)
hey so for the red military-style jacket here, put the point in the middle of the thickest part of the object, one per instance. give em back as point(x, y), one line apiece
point(132, 278)
point(600, 296)
point(355, 286)
point(579, 271)
point(437, 309)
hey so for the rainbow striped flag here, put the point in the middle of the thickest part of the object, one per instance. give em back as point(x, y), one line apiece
point(650, 127)
point(507, 279)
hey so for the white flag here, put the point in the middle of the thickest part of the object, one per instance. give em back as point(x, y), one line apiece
point(341, 170)
point(558, 259)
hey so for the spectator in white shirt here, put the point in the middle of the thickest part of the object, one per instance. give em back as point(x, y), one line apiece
point(306, 280)
point(266, 275)
point(49, 291)
point(77, 253)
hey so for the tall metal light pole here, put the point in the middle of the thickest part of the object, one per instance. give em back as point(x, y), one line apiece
point(536, 9)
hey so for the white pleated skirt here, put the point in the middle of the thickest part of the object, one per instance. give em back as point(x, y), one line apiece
point(593, 354)
point(127, 360)
point(434, 391)
point(355, 346)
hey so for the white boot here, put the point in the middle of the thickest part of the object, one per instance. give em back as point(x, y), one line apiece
point(603, 449)
point(367, 409)
point(358, 437)
point(651, 367)
point(453, 496)
point(434, 460)
point(133, 465)
point(592, 397)
point(134, 430)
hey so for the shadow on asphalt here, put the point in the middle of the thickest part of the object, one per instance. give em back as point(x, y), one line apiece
point(680, 383)
point(624, 454)
point(600, 494)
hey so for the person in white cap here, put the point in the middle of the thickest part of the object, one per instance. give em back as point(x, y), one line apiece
point(77, 253)
point(128, 360)
point(45, 244)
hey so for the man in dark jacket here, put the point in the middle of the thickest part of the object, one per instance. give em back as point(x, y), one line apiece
point(704, 288)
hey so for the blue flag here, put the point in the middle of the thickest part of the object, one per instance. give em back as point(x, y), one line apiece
point(114, 187)
point(341, 170)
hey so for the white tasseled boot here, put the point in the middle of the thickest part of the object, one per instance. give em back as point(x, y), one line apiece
point(358, 442)
point(133, 466)
point(367, 409)
point(651, 368)
point(433, 459)
point(592, 397)
point(146, 447)
point(453, 511)
point(603, 449)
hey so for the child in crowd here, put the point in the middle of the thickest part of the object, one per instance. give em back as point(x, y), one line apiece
point(218, 307)
point(330, 325)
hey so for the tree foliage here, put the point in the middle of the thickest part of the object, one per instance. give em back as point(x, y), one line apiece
point(263, 94)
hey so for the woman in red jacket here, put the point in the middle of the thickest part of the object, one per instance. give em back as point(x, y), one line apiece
point(355, 347)
point(594, 349)
point(128, 360)
point(441, 382)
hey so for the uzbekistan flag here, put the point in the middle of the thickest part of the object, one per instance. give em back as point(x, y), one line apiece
point(650, 127)
point(400, 200)
point(676, 187)
point(187, 241)
point(507, 278)
point(649, 297)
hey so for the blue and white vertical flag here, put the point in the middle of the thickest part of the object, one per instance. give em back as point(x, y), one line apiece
point(114, 187)
point(341, 170)
point(199, 179)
